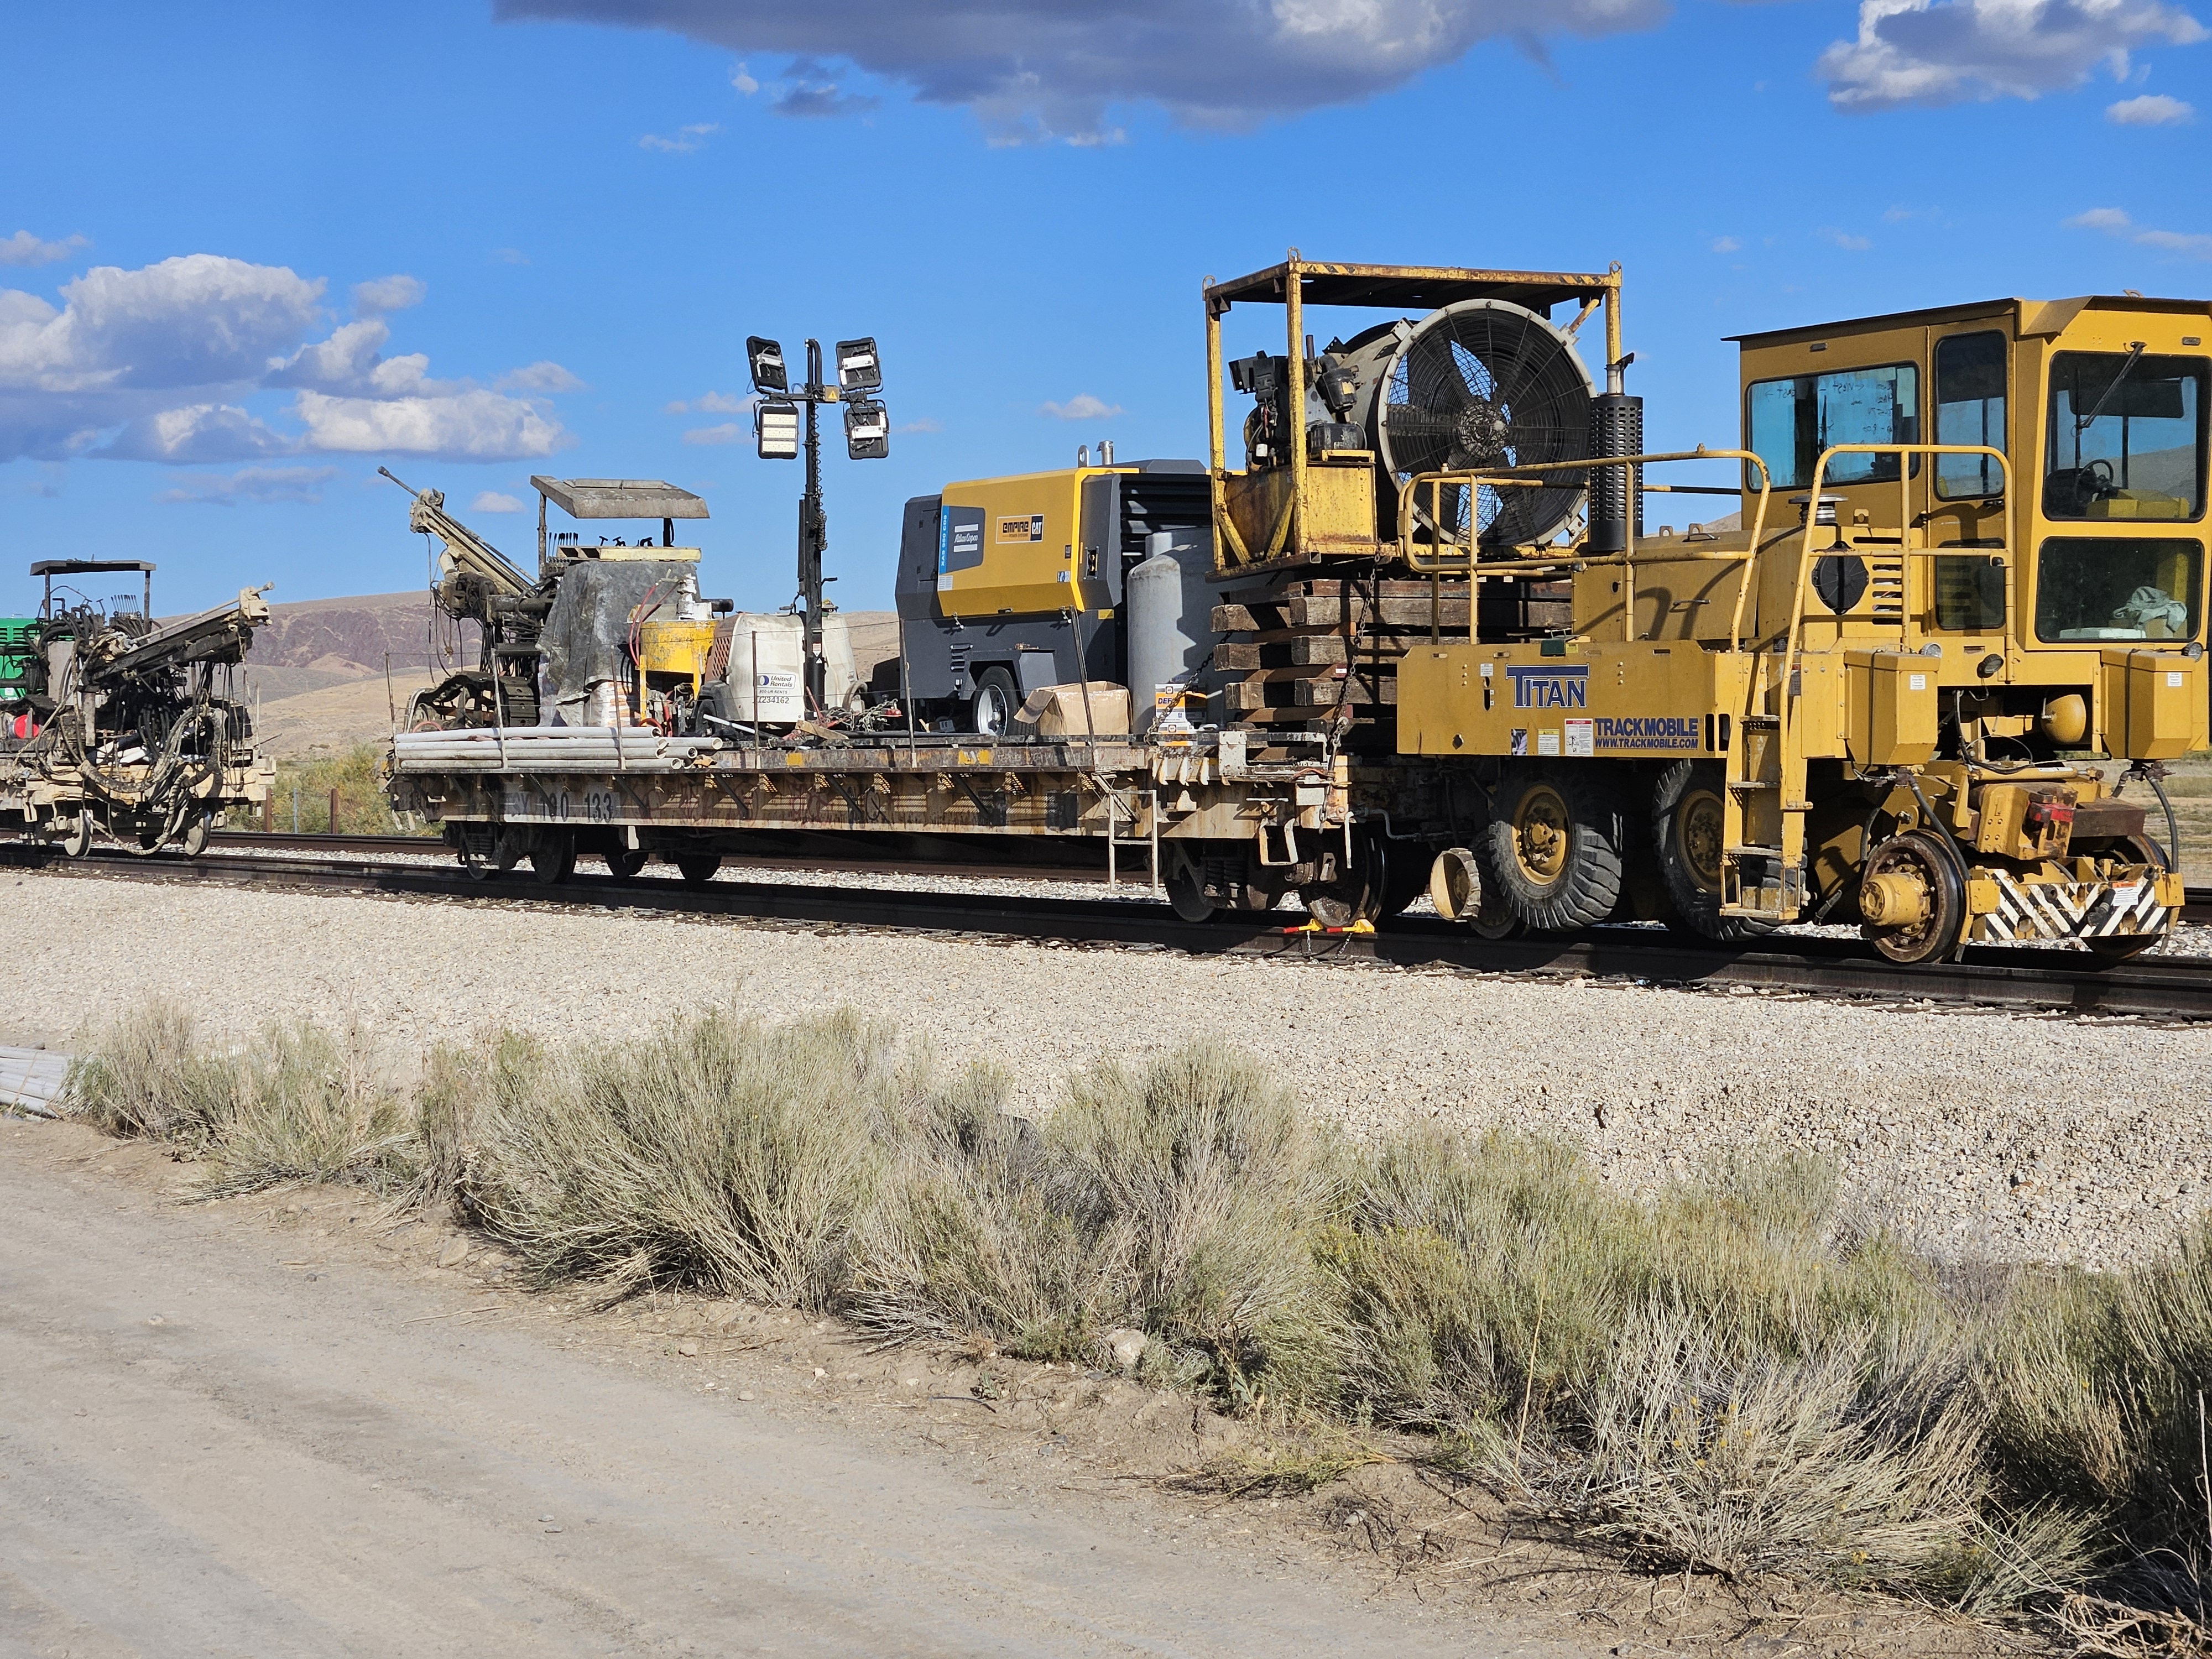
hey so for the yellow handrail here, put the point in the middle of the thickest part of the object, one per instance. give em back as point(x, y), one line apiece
point(1532, 476)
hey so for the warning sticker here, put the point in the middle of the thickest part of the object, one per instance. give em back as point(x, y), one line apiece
point(1579, 738)
point(1520, 741)
point(1547, 743)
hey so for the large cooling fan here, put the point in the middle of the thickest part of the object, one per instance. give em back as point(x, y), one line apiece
point(1481, 383)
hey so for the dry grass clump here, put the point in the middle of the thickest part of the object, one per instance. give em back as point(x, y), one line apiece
point(2097, 1384)
point(299, 1105)
point(1178, 1198)
point(718, 1153)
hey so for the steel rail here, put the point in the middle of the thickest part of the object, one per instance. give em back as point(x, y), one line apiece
point(2198, 907)
point(2171, 988)
point(232, 841)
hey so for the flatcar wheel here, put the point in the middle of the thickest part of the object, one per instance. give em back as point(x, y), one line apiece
point(1689, 832)
point(625, 863)
point(1356, 893)
point(1912, 900)
point(698, 869)
point(77, 840)
point(1551, 849)
point(1185, 881)
point(553, 859)
point(197, 827)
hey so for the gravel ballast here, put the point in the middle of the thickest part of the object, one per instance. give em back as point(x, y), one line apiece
point(1982, 1133)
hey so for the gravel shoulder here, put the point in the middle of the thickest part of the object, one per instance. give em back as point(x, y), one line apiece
point(1981, 1134)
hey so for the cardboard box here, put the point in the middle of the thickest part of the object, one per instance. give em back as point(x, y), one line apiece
point(1056, 712)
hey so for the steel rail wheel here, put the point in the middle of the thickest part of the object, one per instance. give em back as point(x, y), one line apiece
point(698, 869)
point(1552, 851)
point(1689, 831)
point(1910, 899)
point(2112, 949)
point(624, 863)
point(553, 856)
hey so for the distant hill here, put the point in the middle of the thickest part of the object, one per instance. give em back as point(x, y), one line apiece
point(320, 666)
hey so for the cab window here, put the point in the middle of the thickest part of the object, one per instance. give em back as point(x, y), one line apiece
point(2126, 436)
point(1970, 408)
point(1791, 421)
point(2117, 587)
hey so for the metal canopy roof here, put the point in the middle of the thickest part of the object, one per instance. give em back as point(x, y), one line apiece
point(1408, 287)
point(2037, 317)
point(89, 566)
point(620, 498)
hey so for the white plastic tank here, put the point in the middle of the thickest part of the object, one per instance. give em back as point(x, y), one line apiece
point(768, 662)
point(1170, 620)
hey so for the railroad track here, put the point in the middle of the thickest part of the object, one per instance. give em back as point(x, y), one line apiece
point(230, 840)
point(2179, 988)
point(2198, 907)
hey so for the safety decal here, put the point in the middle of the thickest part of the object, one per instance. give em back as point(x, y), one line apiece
point(1547, 743)
point(1520, 741)
point(1579, 741)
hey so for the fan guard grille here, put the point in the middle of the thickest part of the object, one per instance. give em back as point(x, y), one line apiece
point(1484, 383)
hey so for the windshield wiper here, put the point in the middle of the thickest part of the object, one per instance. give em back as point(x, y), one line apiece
point(2082, 422)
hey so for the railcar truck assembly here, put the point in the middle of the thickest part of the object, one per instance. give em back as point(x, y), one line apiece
point(1421, 639)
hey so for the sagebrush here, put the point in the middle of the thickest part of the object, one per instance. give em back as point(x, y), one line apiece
point(1724, 1376)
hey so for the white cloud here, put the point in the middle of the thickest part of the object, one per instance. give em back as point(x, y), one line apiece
point(728, 432)
point(1845, 241)
point(25, 249)
point(1081, 407)
point(385, 293)
point(711, 403)
point(1726, 244)
point(197, 320)
point(684, 141)
point(2153, 109)
point(493, 500)
point(510, 256)
point(1046, 70)
point(197, 432)
point(467, 426)
point(2115, 222)
point(925, 424)
point(1948, 52)
point(301, 484)
point(543, 375)
point(176, 361)
point(743, 82)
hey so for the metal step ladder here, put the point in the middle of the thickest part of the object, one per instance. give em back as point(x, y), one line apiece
point(1762, 863)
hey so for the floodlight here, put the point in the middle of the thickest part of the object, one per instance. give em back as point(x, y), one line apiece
point(867, 429)
point(859, 369)
point(765, 359)
point(777, 426)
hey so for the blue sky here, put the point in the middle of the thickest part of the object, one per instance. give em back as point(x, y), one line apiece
point(249, 253)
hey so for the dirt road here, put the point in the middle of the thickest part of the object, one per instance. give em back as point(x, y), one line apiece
point(203, 1451)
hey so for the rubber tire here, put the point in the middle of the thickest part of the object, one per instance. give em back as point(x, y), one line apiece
point(553, 859)
point(1588, 885)
point(1948, 925)
point(698, 869)
point(994, 683)
point(625, 863)
point(1695, 906)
